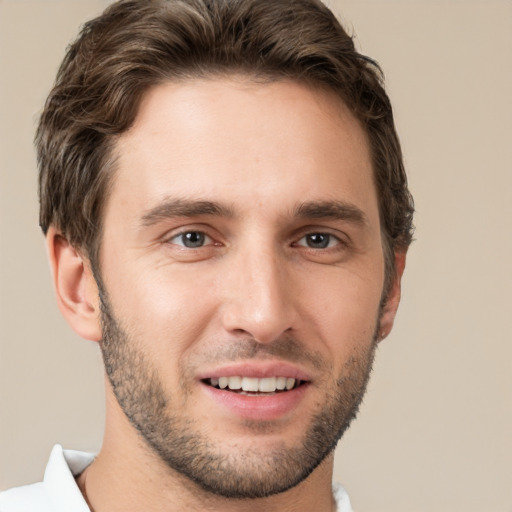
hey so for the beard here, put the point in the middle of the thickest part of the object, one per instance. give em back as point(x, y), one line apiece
point(245, 471)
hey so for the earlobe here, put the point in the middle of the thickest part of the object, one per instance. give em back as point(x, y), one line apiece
point(390, 307)
point(75, 286)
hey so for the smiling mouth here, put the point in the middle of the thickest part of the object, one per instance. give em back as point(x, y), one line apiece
point(254, 386)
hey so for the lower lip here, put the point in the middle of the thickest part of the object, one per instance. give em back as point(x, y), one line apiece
point(258, 407)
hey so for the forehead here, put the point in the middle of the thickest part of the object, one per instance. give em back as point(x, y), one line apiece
point(243, 143)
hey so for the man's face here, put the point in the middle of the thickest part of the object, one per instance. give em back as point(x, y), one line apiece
point(241, 249)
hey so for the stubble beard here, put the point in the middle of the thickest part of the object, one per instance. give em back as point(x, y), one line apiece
point(179, 442)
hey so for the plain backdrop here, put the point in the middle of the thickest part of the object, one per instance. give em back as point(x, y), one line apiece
point(435, 430)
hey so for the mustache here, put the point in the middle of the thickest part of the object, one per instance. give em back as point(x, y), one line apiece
point(286, 348)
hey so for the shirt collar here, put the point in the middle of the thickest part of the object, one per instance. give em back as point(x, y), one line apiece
point(59, 479)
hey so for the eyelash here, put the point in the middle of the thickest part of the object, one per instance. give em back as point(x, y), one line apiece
point(207, 240)
point(182, 234)
point(329, 236)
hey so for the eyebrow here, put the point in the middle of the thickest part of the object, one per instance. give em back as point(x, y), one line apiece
point(336, 210)
point(172, 208)
point(179, 207)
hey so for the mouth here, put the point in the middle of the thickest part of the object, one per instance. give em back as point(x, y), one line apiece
point(257, 390)
point(253, 386)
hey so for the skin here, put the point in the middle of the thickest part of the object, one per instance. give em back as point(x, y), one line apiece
point(270, 157)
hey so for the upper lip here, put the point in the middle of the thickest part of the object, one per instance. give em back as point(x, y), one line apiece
point(256, 369)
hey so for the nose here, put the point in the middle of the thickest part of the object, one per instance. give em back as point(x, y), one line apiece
point(259, 300)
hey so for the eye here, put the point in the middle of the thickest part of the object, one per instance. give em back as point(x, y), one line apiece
point(319, 241)
point(191, 239)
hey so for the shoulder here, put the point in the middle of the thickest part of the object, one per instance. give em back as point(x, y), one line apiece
point(28, 498)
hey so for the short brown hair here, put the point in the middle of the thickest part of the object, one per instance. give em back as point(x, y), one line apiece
point(137, 44)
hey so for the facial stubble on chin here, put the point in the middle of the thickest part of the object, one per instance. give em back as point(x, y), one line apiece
point(180, 444)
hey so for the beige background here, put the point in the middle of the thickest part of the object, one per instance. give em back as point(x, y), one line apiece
point(435, 430)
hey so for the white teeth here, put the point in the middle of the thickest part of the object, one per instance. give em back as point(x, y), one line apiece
point(250, 384)
point(267, 385)
point(253, 384)
point(281, 383)
point(235, 382)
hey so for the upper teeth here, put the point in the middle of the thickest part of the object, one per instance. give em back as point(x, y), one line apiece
point(265, 385)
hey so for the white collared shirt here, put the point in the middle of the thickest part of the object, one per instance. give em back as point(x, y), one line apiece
point(58, 492)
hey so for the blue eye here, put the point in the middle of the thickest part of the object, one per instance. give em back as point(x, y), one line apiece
point(318, 241)
point(191, 239)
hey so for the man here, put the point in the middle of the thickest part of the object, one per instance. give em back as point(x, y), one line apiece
point(227, 215)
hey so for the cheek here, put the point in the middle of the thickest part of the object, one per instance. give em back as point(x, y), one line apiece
point(345, 310)
point(166, 311)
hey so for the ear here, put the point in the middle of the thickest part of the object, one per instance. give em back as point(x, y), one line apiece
point(390, 307)
point(75, 286)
